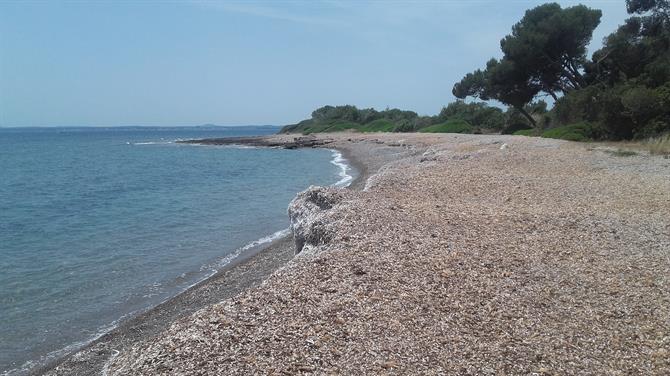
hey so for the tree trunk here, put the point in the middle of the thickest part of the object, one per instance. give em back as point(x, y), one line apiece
point(572, 78)
point(575, 73)
point(527, 116)
point(547, 88)
point(553, 95)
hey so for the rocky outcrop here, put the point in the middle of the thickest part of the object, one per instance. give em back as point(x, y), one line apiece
point(293, 143)
point(309, 213)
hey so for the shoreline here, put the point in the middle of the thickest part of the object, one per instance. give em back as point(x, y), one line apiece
point(479, 254)
point(246, 270)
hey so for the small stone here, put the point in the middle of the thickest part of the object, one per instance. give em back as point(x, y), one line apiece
point(389, 364)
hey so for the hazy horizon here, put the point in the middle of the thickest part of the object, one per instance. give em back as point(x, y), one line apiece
point(236, 63)
point(146, 126)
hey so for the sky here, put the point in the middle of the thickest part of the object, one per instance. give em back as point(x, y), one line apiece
point(160, 63)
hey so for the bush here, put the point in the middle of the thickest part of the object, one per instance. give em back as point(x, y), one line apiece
point(641, 104)
point(527, 132)
point(424, 121)
point(515, 127)
point(623, 111)
point(578, 105)
point(338, 125)
point(380, 125)
point(451, 126)
point(575, 132)
point(477, 114)
point(654, 128)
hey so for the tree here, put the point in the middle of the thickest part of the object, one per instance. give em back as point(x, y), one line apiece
point(629, 77)
point(477, 114)
point(639, 49)
point(502, 81)
point(549, 43)
point(546, 53)
point(659, 7)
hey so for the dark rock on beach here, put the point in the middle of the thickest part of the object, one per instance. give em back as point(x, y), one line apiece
point(294, 143)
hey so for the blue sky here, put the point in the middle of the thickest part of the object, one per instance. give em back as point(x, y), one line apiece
point(233, 63)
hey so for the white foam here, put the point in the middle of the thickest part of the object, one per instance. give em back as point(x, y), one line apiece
point(341, 162)
point(44, 359)
point(233, 146)
point(229, 146)
point(152, 143)
point(345, 180)
point(258, 242)
point(29, 365)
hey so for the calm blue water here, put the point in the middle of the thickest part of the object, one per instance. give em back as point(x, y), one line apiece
point(96, 224)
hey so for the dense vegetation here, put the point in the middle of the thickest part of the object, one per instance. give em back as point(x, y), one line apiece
point(478, 118)
point(628, 92)
point(451, 126)
point(621, 92)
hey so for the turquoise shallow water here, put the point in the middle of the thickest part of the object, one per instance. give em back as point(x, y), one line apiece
point(98, 224)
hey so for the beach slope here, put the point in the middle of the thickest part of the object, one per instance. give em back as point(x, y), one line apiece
point(463, 254)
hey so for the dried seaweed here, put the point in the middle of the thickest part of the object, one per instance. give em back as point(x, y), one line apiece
point(460, 257)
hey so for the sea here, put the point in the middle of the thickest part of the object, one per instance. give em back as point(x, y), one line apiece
point(100, 224)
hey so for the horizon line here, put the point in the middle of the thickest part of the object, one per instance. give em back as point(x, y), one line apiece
point(140, 126)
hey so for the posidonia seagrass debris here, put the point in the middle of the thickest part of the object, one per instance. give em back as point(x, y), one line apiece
point(308, 214)
point(543, 258)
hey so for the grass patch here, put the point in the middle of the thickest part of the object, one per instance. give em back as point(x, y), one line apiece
point(340, 125)
point(659, 145)
point(451, 126)
point(573, 132)
point(379, 125)
point(621, 153)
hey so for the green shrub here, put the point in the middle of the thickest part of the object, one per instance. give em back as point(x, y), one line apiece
point(574, 132)
point(527, 132)
point(514, 127)
point(404, 126)
point(642, 104)
point(339, 125)
point(579, 105)
point(379, 125)
point(420, 122)
point(478, 114)
point(623, 111)
point(451, 126)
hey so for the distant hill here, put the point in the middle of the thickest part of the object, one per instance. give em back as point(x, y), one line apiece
point(211, 126)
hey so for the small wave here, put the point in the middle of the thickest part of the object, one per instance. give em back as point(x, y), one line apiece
point(230, 146)
point(241, 146)
point(213, 269)
point(341, 162)
point(153, 143)
point(258, 242)
point(345, 180)
point(30, 365)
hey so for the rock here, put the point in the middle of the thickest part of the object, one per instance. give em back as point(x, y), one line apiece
point(389, 364)
point(307, 213)
point(262, 141)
